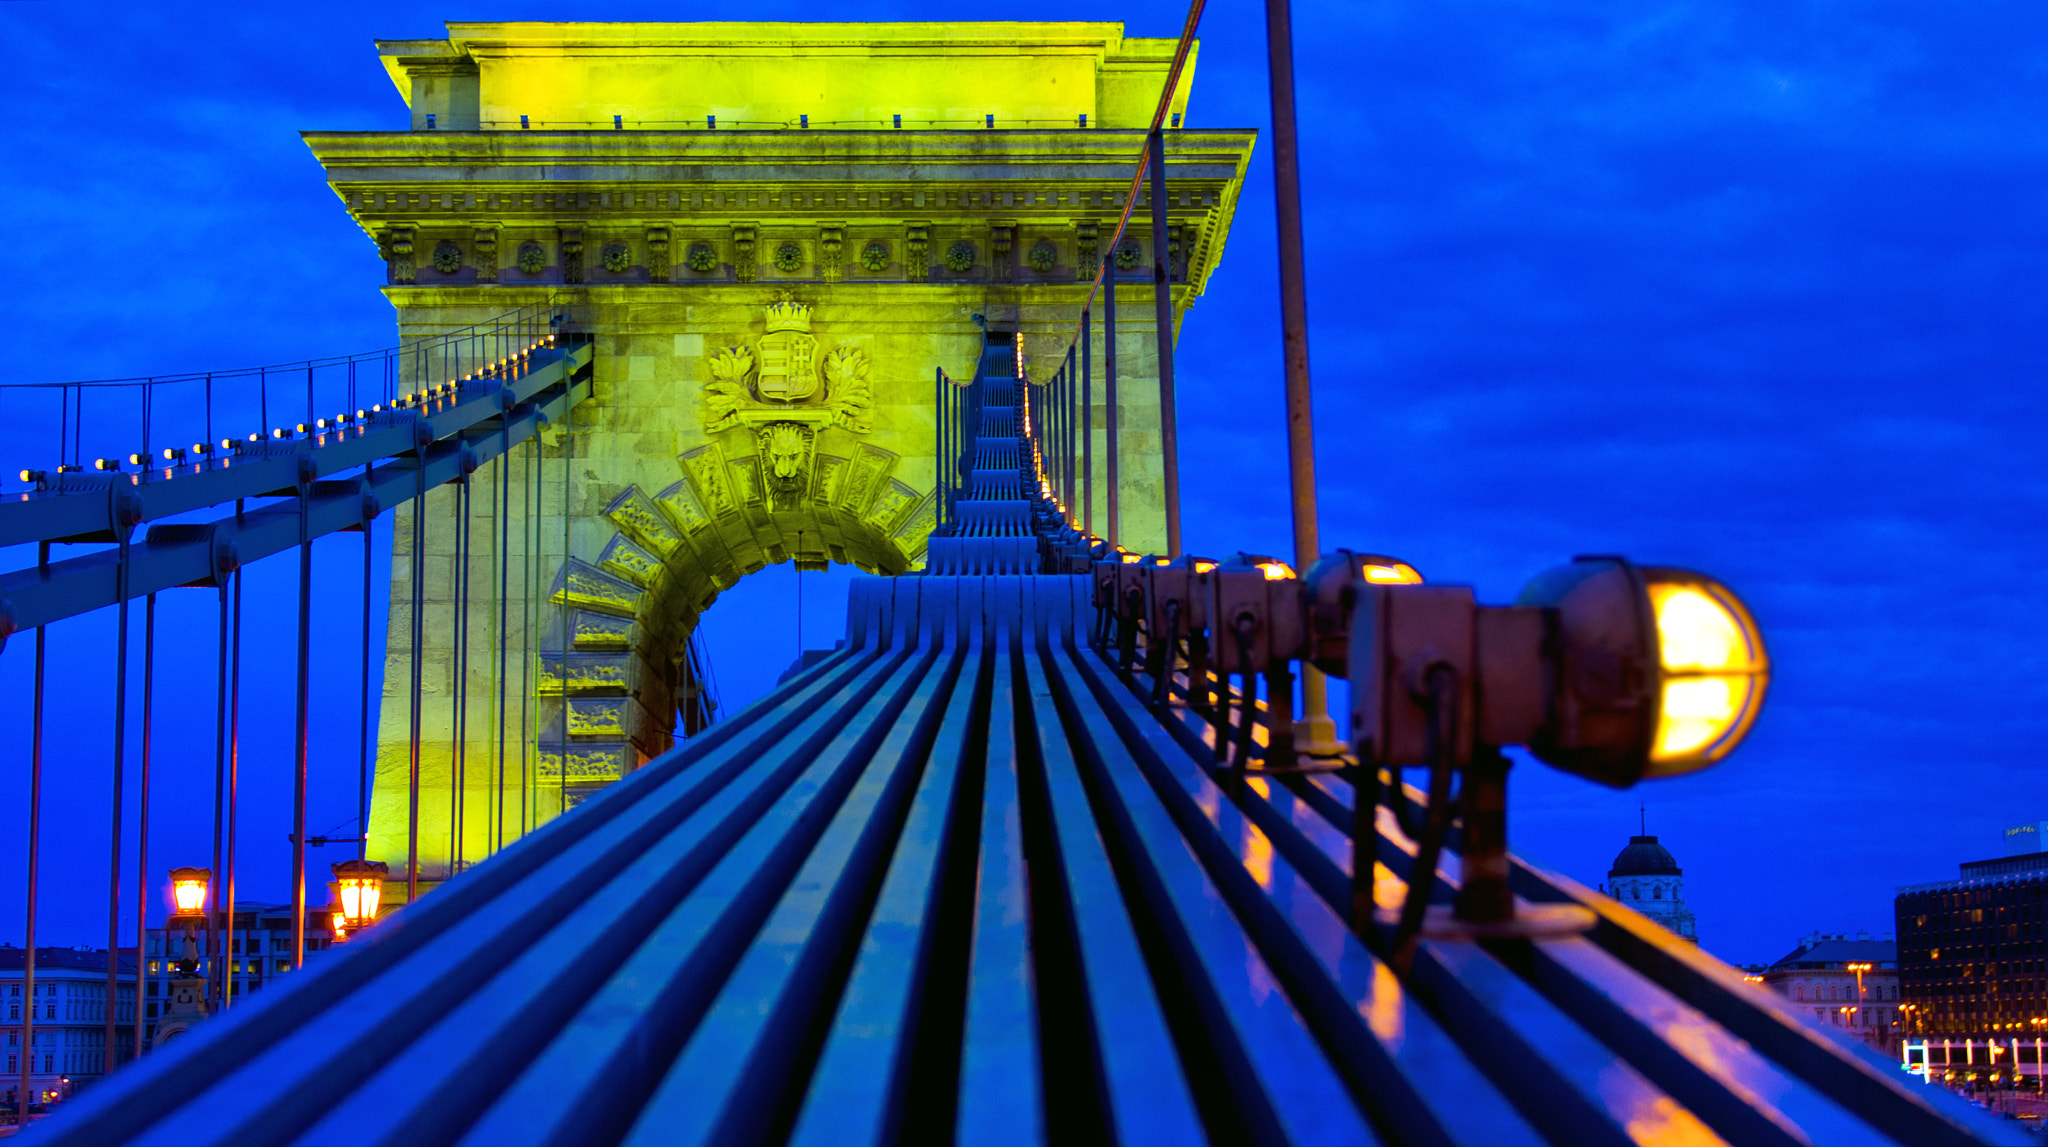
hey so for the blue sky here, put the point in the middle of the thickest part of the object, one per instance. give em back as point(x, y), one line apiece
point(1749, 287)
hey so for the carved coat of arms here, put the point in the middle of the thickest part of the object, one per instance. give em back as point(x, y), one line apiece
point(793, 380)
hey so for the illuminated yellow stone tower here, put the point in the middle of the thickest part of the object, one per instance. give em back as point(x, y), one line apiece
point(773, 235)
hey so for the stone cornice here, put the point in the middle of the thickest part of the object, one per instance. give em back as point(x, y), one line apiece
point(492, 156)
point(619, 183)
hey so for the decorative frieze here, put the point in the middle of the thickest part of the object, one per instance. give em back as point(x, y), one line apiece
point(634, 513)
point(485, 241)
point(572, 255)
point(1043, 256)
point(1000, 236)
point(447, 257)
point(600, 630)
point(680, 503)
point(706, 471)
point(581, 584)
point(581, 764)
point(831, 239)
point(533, 258)
point(916, 247)
point(585, 673)
point(398, 254)
point(657, 254)
point(743, 251)
point(616, 257)
point(629, 561)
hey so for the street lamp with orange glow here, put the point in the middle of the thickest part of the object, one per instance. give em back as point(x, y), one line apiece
point(187, 998)
point(357, 891)
point(188, 894)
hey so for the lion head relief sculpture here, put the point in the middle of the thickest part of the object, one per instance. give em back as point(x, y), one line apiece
point(785, 449)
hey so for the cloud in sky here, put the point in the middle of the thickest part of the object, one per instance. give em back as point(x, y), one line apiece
point(1750, 287)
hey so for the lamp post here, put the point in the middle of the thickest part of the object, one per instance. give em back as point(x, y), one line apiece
point(1859, 969)
point(188, 987)
point(357, 891)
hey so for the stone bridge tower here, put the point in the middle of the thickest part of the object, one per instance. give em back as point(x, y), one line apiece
point(773, 235)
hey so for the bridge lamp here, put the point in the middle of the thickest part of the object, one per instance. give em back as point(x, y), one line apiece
point(188, 897)
point(1603, 669)
point(33, 477)
point(106, 464)
point(358, 890)
point(174, 454)
point(188, 893)
point(1662, 671)
point(1330, 593)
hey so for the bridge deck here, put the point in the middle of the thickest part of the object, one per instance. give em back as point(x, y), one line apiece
point(956, 881)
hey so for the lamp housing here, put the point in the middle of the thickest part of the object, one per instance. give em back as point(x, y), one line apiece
point(1176, 597)
point(1255, 611)
point(1330, 594)
point(1606, 670)
point(1658, 671)
point(358, 891)
point(188, 893)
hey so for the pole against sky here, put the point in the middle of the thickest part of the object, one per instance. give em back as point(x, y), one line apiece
point(1745, 289)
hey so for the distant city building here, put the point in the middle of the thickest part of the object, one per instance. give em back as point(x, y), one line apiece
point(1647, 878)
point(261, 951)
point(1971, 950)
point(69, 1024)
point(1850, 984)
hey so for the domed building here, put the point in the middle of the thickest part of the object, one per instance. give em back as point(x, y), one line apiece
point(1646, 877)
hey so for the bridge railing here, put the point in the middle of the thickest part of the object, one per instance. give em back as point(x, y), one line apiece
point(959, 424)
point(434, 412)
point(112, 424)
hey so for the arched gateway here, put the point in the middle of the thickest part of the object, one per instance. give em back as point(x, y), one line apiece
point(773, 236)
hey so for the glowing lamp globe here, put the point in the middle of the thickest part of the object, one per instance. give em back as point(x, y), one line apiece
point(358, 890)
point(1660, 672)
point(188, 892)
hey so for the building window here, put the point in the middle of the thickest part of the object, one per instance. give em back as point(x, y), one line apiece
point(1657, 892)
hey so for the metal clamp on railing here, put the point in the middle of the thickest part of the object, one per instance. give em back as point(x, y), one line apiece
point(1176, 620)
point(1255, 613)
